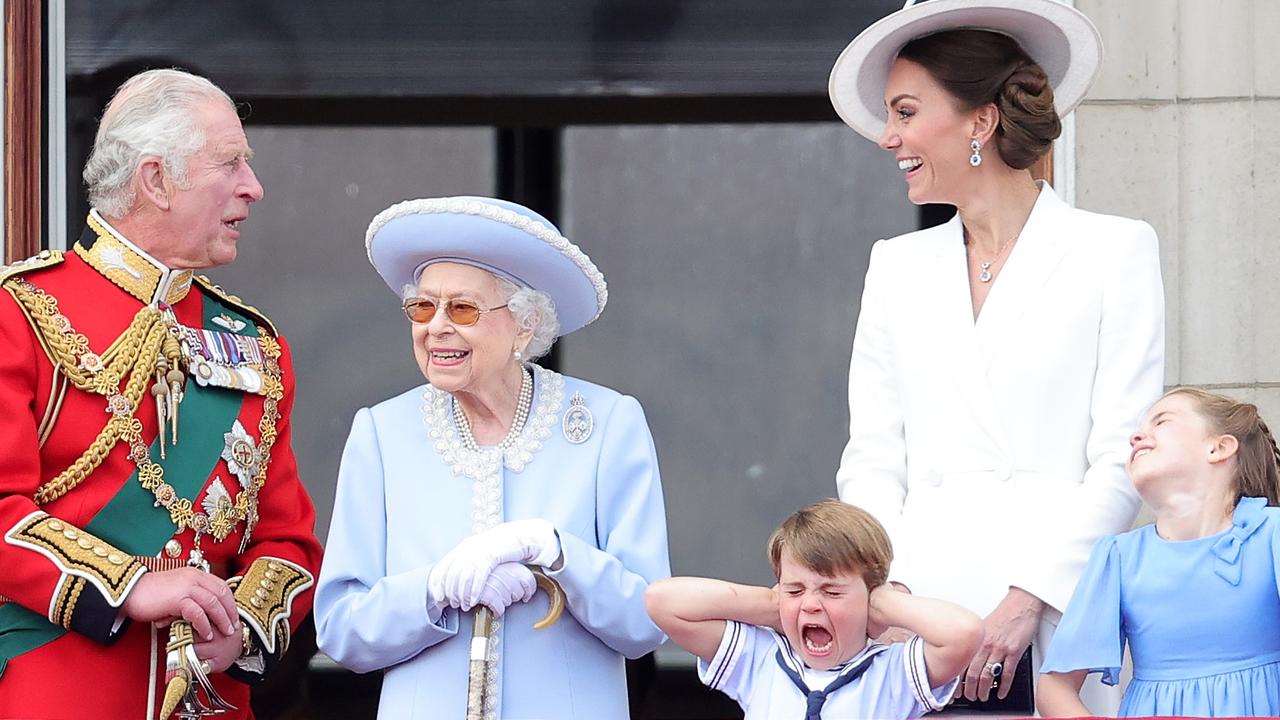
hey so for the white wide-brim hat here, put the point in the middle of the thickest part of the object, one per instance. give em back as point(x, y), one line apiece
point(502, 237)
point(1058, 37)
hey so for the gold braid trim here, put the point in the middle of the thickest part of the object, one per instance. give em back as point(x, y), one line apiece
point(65, 606)
point(134, 356)
point(79, 554)
point(273, 389)
point(44, 259)
point(265, 599)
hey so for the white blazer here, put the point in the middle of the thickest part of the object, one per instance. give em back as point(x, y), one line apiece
point(994, 451)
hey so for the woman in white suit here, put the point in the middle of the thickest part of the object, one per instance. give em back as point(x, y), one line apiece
point(1000, 360)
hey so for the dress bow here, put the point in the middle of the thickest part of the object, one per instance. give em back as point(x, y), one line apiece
point(1247, 519)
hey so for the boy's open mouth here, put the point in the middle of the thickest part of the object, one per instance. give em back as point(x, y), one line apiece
point(817, 639)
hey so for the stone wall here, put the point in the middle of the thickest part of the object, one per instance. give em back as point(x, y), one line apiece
point(1182, 131)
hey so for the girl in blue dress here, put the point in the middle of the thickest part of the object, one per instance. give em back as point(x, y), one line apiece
point(1196, 595)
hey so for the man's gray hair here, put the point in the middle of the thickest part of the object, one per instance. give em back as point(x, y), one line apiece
point(531, 309)
point(152, 113)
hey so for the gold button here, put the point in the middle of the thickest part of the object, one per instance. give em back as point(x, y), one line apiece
point(272, 575)
point(256, 602)
point(84, 542)
point(260, 592)
point(115, 558)
point(173, 548)
point(100, 550)
point(274, 566)
point(70, 534)
point(55, 525)
point(265, 583)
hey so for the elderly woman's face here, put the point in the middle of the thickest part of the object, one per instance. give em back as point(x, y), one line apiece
point(464, 357)
point(927, 134)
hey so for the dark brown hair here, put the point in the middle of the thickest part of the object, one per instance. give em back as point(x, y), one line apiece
point(1258, 458)
point(831, 537)
point(978, 67)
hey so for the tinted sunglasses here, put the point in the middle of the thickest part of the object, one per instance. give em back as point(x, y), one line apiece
point(459, 312)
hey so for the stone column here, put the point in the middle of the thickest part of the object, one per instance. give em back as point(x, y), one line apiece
point(1183, 130)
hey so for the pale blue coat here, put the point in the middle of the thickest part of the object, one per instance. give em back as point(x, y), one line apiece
point(400, 508)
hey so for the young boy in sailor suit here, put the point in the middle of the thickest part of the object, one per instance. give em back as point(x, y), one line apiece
point(801, 649)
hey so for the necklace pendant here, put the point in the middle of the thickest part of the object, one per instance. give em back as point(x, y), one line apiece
point(196, 560)
point(985, 275)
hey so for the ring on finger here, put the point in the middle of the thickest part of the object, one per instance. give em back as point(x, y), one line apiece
point(997, 670)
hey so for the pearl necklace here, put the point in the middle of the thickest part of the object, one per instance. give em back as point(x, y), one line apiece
point(523, 404)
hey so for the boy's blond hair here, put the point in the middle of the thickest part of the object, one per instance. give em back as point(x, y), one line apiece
point(831, 537)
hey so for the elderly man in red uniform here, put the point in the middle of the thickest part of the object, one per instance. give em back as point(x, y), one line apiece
point(150, 506)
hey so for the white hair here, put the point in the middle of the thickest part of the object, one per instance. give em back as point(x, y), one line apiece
point(532, 310)
point(535, 311)
point(152, 113)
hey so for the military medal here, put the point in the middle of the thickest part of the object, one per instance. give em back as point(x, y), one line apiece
point(241, 454)
point(224, 359)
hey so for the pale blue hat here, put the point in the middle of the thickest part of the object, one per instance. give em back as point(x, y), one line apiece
point(502, 237)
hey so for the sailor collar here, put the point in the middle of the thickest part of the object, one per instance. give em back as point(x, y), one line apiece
point(129, 266)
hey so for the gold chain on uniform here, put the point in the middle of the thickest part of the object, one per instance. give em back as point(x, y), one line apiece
point(135, 354)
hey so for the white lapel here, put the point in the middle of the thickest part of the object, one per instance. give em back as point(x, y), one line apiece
point(960, 345)
point(1035, 256)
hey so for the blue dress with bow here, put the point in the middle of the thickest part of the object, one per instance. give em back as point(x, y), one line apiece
point(1201, 617)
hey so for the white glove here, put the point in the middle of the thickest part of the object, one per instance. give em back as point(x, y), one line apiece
point(460, 575)
point(508, 584)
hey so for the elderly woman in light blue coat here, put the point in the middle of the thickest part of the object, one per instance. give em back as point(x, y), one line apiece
point(449, 493)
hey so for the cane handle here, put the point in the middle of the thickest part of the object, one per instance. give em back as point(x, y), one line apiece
point(555, 594)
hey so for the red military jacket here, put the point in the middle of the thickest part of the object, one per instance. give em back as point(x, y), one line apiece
point(80, 504)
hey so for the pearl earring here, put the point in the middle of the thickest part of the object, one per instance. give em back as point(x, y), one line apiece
point(517, 355)
point(976, 158)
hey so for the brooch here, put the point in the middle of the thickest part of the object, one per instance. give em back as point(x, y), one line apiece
point(228, 322)
point(577, 423)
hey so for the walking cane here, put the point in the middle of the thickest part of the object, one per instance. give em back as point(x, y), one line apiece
point(482, 633)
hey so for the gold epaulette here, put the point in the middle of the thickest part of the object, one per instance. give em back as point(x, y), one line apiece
point(233, 300)
point(46, 258)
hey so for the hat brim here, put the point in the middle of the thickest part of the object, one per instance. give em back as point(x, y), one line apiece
point(1058, 37)
point(502, 237)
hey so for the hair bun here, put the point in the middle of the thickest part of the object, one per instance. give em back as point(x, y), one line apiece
point(977, 67)
point(1028, 121)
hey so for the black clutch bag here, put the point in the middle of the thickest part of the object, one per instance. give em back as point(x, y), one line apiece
point(1020, 700)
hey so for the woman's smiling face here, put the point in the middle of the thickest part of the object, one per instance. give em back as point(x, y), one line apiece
point(464, 357)
point(927, 134)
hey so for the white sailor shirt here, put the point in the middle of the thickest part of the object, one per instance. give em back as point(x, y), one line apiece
point(755, 666)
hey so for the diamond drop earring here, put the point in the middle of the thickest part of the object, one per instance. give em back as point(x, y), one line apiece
point(976, 158)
